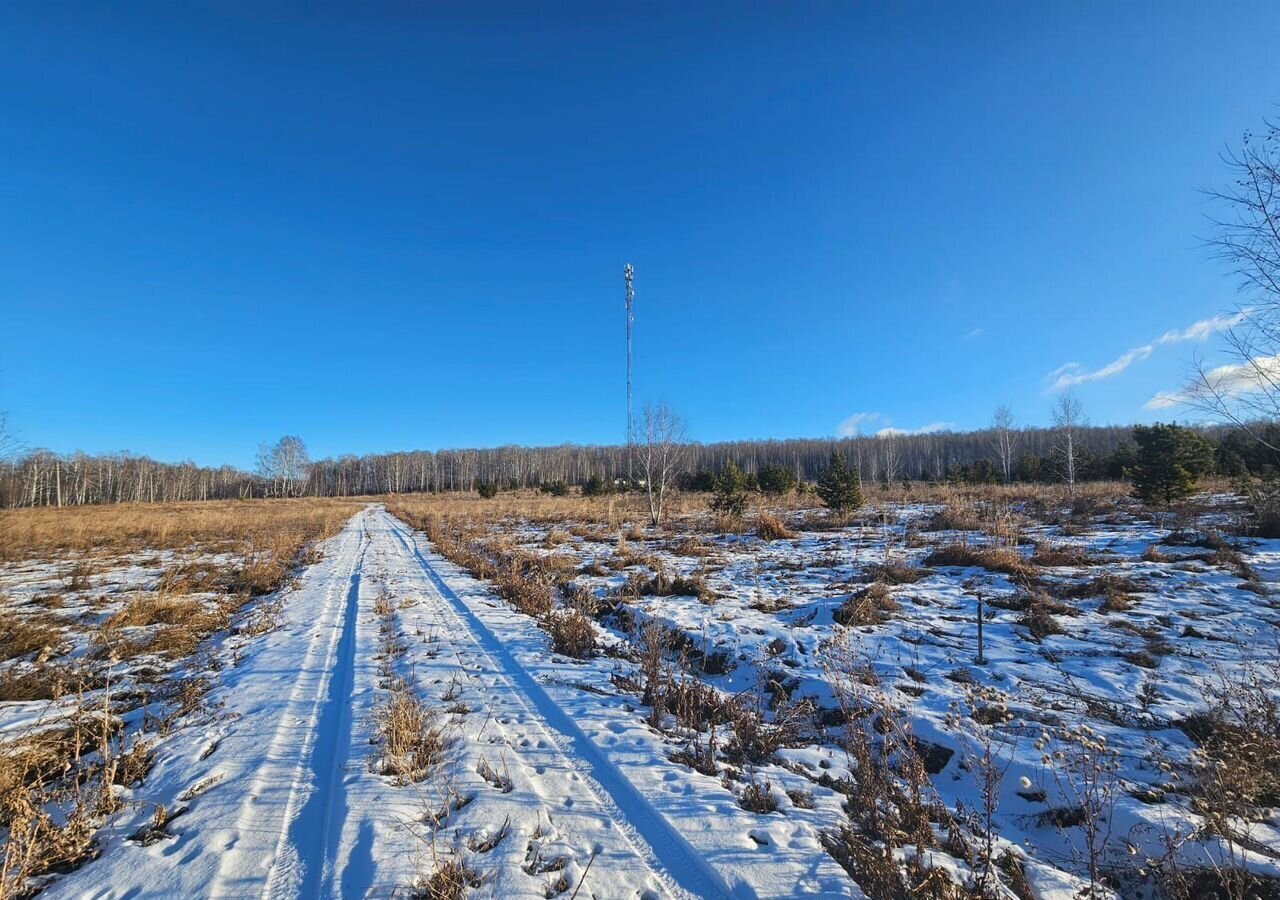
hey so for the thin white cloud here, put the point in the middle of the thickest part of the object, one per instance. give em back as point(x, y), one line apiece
point(852, 426)
point(931, 428)
point(973, 334)
point(1205, 328)
point(1062, 370)
point(1070, 376)
point(1166, 399)
point(1073, 374)
point(1232, 380)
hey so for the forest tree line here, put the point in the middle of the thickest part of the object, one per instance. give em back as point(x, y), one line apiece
point(43, 478)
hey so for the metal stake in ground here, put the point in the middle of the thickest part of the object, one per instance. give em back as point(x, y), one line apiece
point(982, 659)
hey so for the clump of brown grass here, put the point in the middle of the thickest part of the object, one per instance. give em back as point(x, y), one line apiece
point(192, 578)
point(42, 682)
point(267, 615)
point(995, 559)
point(757, 797)
point(527, 584)
point(690, 545)
point(36, 842)
point(57, 784)
point(156, 609)
point(412, 741)
point(954, 516)
point(661, 584)
point(451, 880)
point(79, 576)
point(555, 537)
point(176, 627)
point(571, 633)
point(771, 528)
point(1064, 555)
point(20, 636)
point(269, 564)
point(870, 606)
point(895, 571)
point(1039, 616)
point(1118, 592)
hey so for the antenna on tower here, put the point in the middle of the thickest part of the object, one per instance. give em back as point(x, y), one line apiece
point(629, 274)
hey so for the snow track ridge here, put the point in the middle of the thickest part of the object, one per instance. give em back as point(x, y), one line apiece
point(285, 848)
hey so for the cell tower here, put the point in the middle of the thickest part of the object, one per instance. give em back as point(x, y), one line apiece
point(629, 274)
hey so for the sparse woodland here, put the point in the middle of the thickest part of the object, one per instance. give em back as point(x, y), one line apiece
point(1034, 455)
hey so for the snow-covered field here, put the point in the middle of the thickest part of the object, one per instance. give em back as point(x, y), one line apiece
point(551, 775)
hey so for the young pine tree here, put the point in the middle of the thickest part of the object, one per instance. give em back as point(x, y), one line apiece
point(1169, 460)
point(776, 479)
point(839, 487)
point(730, 491)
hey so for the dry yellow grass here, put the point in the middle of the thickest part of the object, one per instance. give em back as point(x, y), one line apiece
point(613, 511)
point(22, 637)
point(412, 740)
point(995, 559)
point(46, 531)
point(771, 527)
point(73, 767)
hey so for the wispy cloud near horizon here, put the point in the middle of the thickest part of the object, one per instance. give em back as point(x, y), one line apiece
point(852, 426)
point(1073, 373)
point(1227, 382)
point(931, 428)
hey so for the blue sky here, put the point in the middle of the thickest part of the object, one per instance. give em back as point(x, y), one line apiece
point(405, 226)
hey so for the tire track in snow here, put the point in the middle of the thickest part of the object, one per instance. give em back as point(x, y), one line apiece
point(682, 865)
point(284, 841)
point(317, 827)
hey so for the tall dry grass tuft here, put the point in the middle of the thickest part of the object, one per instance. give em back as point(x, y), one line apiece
point(771, 528)
point(58, 783)
point(995, 559)
point(24, 637)
point(412, 741)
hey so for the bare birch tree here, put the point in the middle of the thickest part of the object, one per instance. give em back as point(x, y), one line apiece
point(1004, 440)
point(890, 456)
point(8, 443)
point(662, 455)
point(1068, 420)
point(1246, 390)
point(285, 465)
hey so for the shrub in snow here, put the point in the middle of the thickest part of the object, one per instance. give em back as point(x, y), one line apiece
point(840, 487)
